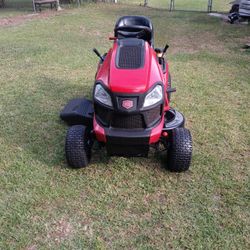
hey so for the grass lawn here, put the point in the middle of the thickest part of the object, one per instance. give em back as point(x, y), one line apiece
point(118, 202)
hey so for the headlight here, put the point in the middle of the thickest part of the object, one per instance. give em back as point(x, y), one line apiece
point(153, 96)
point(102, 95)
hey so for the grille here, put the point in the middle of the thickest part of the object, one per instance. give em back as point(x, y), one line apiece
point(152, 115)
point(127, 121)
point(104, 114)
point(130, 57)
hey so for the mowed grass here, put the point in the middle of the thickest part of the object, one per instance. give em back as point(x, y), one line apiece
point(116, 202)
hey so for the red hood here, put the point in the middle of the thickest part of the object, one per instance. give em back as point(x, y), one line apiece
point(130, 80)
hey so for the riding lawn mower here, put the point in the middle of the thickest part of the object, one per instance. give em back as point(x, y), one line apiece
point(130, 109)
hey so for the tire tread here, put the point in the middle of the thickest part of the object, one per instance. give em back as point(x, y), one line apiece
point(76, 149)
point(180, 151)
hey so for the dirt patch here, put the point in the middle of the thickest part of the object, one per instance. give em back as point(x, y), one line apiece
point(17, 20)
point(203, 41)
point(32, 247)
point(244, 41)
point(60, 230)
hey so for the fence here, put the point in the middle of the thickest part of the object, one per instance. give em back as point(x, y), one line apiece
point(188, 5)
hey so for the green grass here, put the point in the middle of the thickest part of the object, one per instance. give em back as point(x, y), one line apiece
point(118, 202)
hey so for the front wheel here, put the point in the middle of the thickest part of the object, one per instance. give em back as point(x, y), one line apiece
point(78, 146)
point(180, 150)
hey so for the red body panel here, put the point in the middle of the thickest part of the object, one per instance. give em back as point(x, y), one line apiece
point(156, 132)
point(99, 131)
point(132, 81)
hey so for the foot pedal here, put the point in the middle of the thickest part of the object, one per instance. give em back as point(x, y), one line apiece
point(78, 111)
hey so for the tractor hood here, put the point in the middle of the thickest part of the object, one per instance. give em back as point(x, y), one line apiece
point(131, 66)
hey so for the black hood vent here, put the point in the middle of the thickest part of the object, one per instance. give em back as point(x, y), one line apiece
point(130, 53)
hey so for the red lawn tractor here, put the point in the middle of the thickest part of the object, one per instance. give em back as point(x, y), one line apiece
point(130, 110)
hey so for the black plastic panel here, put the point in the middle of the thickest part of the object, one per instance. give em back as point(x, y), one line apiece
point(173, 119)
point(78, 111)
point(131, 26)
point(130, 57)
point(127, 151)
point(136, 120)
point(152, 115)
point(130, 53)
point(127, 143)
point(130, 121)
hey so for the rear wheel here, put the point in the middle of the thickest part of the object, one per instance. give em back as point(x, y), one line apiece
point(180, 150)
point(78, 146)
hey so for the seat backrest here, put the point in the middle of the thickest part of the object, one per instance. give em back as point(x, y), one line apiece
point(134, 27)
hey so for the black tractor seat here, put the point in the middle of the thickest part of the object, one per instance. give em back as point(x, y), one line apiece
point(135, 27)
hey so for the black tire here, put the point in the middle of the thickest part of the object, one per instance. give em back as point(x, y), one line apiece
point(180, 150)
point(78, 146)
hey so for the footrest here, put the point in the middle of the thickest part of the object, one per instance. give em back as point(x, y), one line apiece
point(78, 111)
